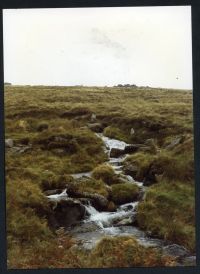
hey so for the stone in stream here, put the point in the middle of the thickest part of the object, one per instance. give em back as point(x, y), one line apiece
point(130, 169)
point(116, 152)
point(126, 221)
point(53, 191)
point(131, 148)
point(65, 212)
point(175, 250)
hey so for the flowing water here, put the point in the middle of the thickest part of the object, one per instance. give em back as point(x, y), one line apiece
point(119, 223)
point(100, 224)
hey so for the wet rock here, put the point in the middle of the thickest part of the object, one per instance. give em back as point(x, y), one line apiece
point(98, 201)
point(126, 221)
point(53, 191)
point(9, 143)
point(116, 152)
point(96, 127)
point(175, 251)
point(85, 201)
point(131, 149)
point(131, 170)
point(66, 212)
point(111, 207)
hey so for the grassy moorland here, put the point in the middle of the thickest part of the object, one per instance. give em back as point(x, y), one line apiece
point(38, 117)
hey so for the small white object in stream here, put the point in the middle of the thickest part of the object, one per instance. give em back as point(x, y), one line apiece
point(58, 197)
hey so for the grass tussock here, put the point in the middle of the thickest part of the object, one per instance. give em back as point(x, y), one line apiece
point(168, 211)
point(92, 186)
point(125, 252)
point(52, 122)
point(106, 173)
point(124, 193)
point(109, 252)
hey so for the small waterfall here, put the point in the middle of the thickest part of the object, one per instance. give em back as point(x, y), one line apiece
point(107, 219)
point(60, 196)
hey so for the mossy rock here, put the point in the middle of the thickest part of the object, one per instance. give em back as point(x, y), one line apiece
point(107, 174)
point(124, 193)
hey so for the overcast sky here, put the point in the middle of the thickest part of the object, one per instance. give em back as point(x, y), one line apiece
point(99, 46)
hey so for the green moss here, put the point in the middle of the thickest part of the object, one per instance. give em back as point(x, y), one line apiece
point(160, 114)
point(168, 212)
point(106, 173)
point(124, 193)
point(92, 186)
point(115, 133)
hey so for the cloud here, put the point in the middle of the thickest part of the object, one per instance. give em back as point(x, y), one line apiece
point(101, 38)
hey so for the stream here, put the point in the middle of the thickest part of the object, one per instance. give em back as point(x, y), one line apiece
point(99, 224)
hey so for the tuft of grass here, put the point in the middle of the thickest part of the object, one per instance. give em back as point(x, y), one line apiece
point(161, 212)
point(105, 173)
point(115, 133)
point(125, 251)
point(124, 193)
point(93, 186)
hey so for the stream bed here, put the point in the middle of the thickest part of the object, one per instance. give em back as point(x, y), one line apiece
point(98, 224)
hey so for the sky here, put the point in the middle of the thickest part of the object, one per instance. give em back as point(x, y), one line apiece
point(146, 46)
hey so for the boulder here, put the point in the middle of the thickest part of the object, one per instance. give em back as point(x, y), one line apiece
point(9, 143)
point(130, 169)
point(116, 152)
point(131, 149)
point(65, 212)
point(175, 250)
point(98, 201)
point(96, 127)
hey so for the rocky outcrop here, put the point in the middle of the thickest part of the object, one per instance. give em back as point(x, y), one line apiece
point(116, 152)
point(130, 169)
point(65, 212)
